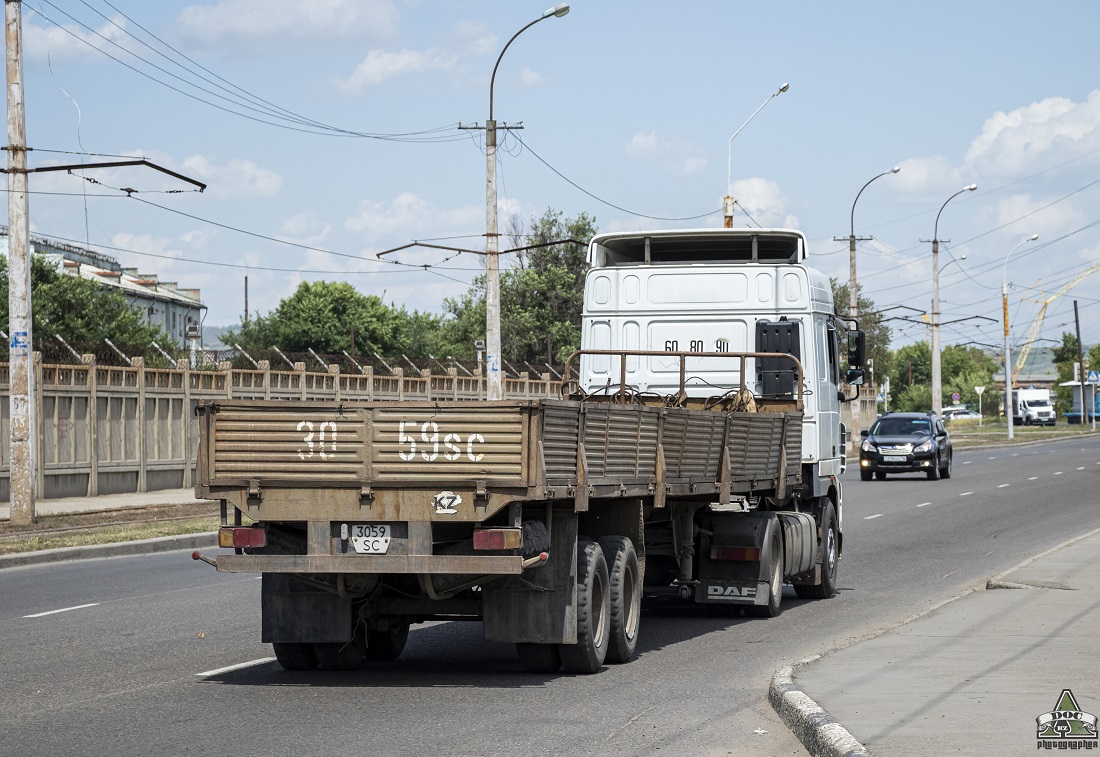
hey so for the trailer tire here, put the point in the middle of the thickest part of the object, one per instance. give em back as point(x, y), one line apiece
point(593, 626)
point(383, 646)
point(539, 658)
point(293, 656)
point(624, 580)
point(775, 579)
point(830, 565)
point(340, 655)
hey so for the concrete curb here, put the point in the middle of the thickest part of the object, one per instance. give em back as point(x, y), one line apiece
point(117, 549)
point(816, 729)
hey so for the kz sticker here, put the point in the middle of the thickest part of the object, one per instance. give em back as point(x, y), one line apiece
point(446, 503)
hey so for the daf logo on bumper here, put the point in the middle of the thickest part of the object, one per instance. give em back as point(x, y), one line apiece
point(729, 592)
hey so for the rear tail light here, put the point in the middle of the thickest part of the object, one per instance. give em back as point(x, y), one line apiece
point(498, 538)
point(744, 554)
point(241, 537)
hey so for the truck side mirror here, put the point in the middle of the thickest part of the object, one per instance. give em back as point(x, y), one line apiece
point(854, 377)
point(857, 350)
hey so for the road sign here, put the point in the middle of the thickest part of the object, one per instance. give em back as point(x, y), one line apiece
point(1093, 377)
point(979, 390)
point(954, 396)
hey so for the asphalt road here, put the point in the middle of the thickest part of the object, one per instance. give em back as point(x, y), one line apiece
point(127, 660)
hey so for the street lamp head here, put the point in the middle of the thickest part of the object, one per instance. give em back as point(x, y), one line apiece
point(1033, 237)
point(783, 88)
point(558, 10)
point(972, 187)
point(895, 169)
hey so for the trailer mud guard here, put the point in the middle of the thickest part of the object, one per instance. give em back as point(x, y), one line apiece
point(539, 607)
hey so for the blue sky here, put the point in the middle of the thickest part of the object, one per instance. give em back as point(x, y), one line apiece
point(632, 103)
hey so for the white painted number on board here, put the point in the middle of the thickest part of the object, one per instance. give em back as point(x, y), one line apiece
point(430, 439)
point(326, 434)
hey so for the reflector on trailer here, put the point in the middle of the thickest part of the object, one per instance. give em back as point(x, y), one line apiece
point(233, 537)
point(498, 538)
point(744, 554)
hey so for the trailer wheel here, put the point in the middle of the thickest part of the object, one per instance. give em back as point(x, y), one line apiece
point(624, 579)
point(293, 656)
point(539, 658)
point(340, 655)
point(775, 579)
point(387, 645)
point(829, 560)
point(593, 628)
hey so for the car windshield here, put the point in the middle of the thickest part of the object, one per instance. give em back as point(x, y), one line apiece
point(901, 427)
point(1038, 403)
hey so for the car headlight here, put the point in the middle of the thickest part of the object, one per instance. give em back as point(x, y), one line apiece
point(923, 446)
point(867, 446)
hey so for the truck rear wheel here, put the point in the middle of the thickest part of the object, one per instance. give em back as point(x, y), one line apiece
point(539, 658)
point(387, 645)
point(293, 656)
point(829, 560)
point(593, 626)
point(340, 655)
point(775, 579)
point(624, 580)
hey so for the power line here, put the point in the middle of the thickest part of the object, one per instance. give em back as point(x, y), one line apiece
point(577, 186)
point(426, 136)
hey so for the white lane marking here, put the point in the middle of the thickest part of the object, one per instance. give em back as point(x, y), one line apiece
point(63, 609)
point(924, 504)
point(1032, 478)
point(968, 462)
point(238, 666)
point(1015, 454)
point(992, 458)
point(1081, 468)
point(949, 574)
point(1057, 473)
point(1001, 486)
point(966, 494)
point(871, 517)
point(987, 554)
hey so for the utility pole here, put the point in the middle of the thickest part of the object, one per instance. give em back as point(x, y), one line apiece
point(1085, 409)
point(246, 299)
point(24, 428)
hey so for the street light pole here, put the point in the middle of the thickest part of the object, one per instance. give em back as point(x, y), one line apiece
point(937, 383)
point(495, 388)
point(853, 303)
point(727, 201)
point(1004, 309)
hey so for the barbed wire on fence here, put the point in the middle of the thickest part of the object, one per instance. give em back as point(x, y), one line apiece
point(120, 354)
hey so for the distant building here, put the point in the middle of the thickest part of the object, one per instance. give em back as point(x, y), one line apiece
point(163, 303)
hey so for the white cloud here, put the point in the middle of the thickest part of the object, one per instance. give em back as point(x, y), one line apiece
point(237, 178)
point(233, 22)
point(380, 65)
point(675, 156)
point(765, 202)
point(71, 42)
point(1036, 135)
point(1020, 211)
point(530, 78)
point(409, 216)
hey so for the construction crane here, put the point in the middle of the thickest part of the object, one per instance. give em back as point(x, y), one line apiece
point(1033, 332)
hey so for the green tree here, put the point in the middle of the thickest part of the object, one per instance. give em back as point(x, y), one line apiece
point(1065, 357)
point(874, 327)
point(964, 368)
point(540, 299)
point(81, 311)
point(322, 315)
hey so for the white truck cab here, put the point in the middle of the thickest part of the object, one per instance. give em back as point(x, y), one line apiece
point(717, 290)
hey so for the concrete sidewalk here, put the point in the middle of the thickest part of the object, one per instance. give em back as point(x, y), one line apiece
point(970, 677)
point(71, 505)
